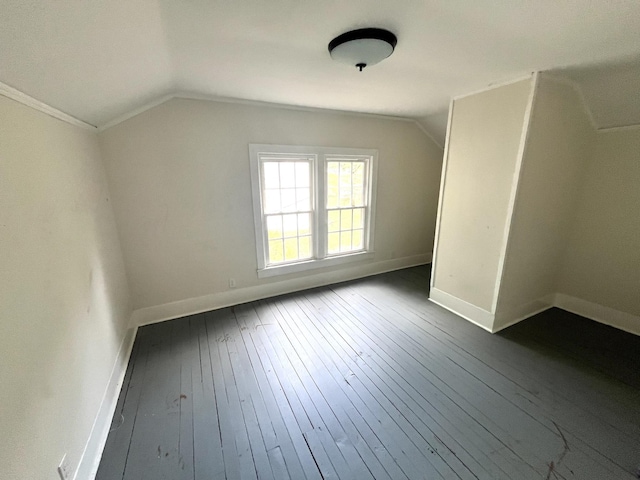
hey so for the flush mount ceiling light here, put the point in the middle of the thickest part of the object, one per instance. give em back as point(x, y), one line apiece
point(363, 47)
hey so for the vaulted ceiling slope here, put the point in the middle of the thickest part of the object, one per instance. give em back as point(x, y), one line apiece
point(97, 60)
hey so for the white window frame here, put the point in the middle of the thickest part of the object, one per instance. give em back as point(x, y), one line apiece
point(319, 156)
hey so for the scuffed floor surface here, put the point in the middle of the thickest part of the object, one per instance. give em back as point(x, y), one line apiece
point(370, 380)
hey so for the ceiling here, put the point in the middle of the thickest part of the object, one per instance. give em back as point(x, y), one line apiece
point(98, 60)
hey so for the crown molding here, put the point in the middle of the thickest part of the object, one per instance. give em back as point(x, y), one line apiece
point(23, 98)
point(428, 134)
point(136, 111)
point(256, 103)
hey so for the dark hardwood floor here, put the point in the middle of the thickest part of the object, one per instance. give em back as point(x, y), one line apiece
point(370, 380)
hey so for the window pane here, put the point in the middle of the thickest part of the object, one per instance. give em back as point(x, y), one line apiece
point(345, 219)
point(302, 174)
point(271, 175)
point(345, 196)
point(271, 201)
point(332, 184)
point(332, 197)
point(358, 217)
point(287, 175)
point(291, 249)
point(345, 174)
point(274, 226)
point(303, 201)
point(333, 245)
point(304, 249)
point(276, 253)
point(333, 221)
point(358, 196)
point(345, 241)
point(358, 173)
point(290, 225)
point(333, 172)
point(288, 199)
point(357, 240)
point(304, 224)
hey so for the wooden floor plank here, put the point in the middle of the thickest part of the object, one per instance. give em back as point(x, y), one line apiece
point(156, 430)
point(370, 380)
point(361, 397)
point(358, 370)
point(236, 448)
point(618, 448)
point(374, 353)
point(297, 459)
point(207, 436)
point(506, 418)
point(322, 417)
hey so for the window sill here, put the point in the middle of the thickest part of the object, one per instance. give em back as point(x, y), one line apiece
point(313, 264)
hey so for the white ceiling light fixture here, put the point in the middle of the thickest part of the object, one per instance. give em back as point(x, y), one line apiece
point(363, 47)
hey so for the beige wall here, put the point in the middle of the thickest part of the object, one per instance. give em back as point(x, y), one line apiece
point(64, 307)
point(180, 179)
point(560, 141)
point(573, 234)
point(602, 260)
point(484, 141)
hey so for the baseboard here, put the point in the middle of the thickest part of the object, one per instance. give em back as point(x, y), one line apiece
point(192, 306)
point(90, 460)
point(599, 313)
point(476, 315)
point(512, 316)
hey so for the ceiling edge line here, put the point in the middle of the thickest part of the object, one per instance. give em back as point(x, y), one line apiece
point(29, 101)
point(284, 106)
point(135, 112)
point(619, 128)
point(240, 101)
point(428, 134)
point(493, 86)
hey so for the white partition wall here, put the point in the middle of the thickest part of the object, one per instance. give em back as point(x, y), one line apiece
point(559, 142)
point(536, 209)
point(480, 171)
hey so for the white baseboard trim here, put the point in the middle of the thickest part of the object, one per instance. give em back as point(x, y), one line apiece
point(599, 313)
point(90, 460)
point(192, 306)
point(476, 315)
point(500, 320)
point(515, 315)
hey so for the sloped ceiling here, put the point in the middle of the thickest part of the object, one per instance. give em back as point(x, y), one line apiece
point(97, 60)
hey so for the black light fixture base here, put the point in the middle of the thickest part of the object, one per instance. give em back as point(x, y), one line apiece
point(363, 47)
point(362, 33)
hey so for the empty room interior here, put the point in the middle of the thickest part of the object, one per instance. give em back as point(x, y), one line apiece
point(319, 240)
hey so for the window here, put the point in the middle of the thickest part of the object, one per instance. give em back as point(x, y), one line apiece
point(313, 206)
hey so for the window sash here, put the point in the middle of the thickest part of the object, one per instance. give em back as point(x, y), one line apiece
point(363, 205)
point(310, 161)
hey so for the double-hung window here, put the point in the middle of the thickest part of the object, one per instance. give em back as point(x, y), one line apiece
point(313, 206)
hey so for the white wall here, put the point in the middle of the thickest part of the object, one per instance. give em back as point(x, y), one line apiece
point(483, 146)
point(180, 179)
point(64, 307)
point(602, 260)
point(559, 144)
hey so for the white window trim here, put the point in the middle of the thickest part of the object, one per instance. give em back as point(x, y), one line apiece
point(322, 155)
